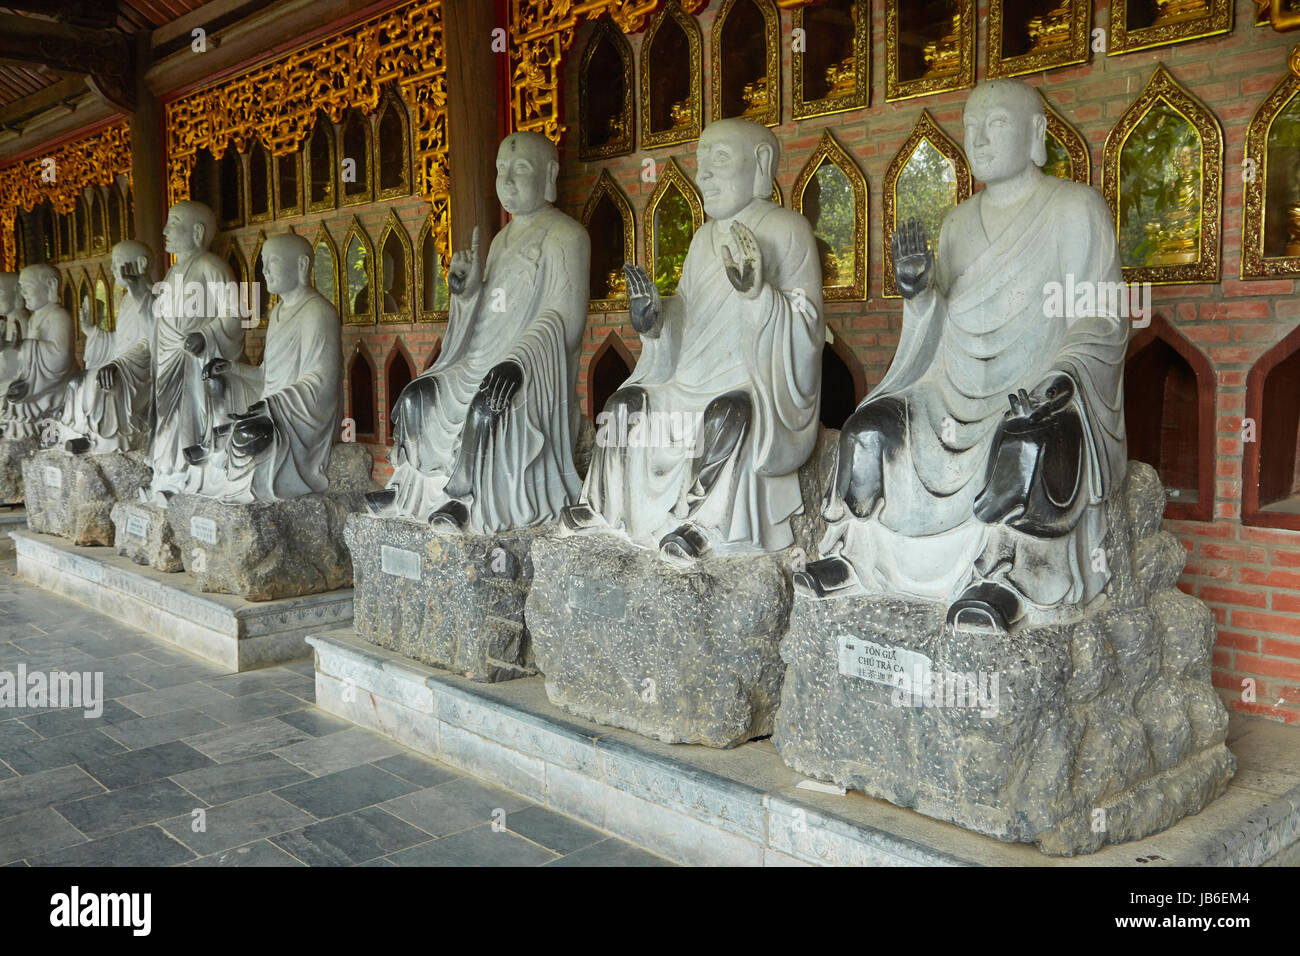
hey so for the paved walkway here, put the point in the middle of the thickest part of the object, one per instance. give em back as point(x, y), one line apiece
point(191, 765)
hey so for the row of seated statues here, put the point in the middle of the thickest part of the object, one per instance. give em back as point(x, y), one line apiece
point(972, 475)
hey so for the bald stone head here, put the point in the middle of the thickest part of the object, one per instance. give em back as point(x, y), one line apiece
point(190, 229)
point(527, 166)
point(11, 299)
point(286, 262)
point(735, 162)
point(39, 285)
point(1006, 130)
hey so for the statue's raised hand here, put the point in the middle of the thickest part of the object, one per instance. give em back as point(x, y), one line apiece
point(464, 276)
point(744, 260)
point(501, 383)
point(85, 316)
point(643, 302)
point(106, 377)
point(913, 260)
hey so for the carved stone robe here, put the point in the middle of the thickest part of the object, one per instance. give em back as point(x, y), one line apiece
point(531, 308)
point(117, 419)
point(980, 332)
point(45, 360)
point(712, 340)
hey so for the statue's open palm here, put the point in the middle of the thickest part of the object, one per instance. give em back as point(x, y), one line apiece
point(643, 300)
point(913, 260)
point(465, 275)
point(744, 260)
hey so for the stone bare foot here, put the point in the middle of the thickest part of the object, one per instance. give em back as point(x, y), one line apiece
point(825, 578)
point(684, 546)
point(77, 446)
point(378, 502)
point(986, 604)
point(451, 518)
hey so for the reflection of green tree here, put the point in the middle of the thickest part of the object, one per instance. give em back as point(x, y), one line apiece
point(1149, 174)
point(357, 278)
point(441, 296)
point(323, 273)
point(926, 190)
point(829, 200)
point(1058, 159)
point(673, 231)
point(1282, 165)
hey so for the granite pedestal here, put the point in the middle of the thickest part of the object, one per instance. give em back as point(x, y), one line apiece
point(73, 495)
point(143, 534)
point(13, 452)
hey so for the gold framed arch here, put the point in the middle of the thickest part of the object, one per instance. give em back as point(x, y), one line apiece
point(260, 167)
point(266, 301)
point(391, 106)
point(357, 276)
point(432, 305)
point(763, 93)
point(936, 148)
point(618, 135)
point(611, 299)
point(840, 279)
point(951, 62)
point(847, 83)
point(1072, 149)
point(665, 269)
point(1133, 25)
point(1182, 240)
point(102, 301)
point(325, 266)
point(664, 130)
point(394, 308)
point(1268, 213)
point(1061, 37)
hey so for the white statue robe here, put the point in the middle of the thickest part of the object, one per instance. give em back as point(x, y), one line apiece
point(117, 419)
point(979, 333)
point(301, 381)
point(531, 309)
point(711, 341)
point(183, 406)
point(9, 358)
point(45, 360)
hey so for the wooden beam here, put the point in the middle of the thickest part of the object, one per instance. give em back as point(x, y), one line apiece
point(103, 54)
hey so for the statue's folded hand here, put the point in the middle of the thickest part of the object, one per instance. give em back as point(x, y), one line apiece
point(501, 383)
point(194, 343)
point(215, 369)
point(256, 410)
point(1048, 397)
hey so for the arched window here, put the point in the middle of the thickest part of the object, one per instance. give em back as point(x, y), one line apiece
point(322, 171)
point(98, 222)
point(1271, 486)
point(672, 215)
point(432, 281)
point(288, 185)
point(354, 158)
point(116, 214)
point(832, 193)
point(746, 74)
point(80, 215)
point(259, 183)
point(67, 236)
point(607, 217)
point(610, 367)
point(672, 108)
point(395, 271)
point(605, 94)
point(361, 393)
point(325, 266)
point(204, 186)
point(393, 153)
point(230, 173)
point(358, 277)
point(397, 376)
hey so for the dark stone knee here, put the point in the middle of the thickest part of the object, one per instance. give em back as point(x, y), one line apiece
point(632, 398)
point(728, 412)
point(480, 410)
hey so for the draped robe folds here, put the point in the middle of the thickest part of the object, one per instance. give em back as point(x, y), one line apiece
point(531, 309)
point(45, 360)
point(9, 369)
point(116, 419)
point(980, 332)
point(301, 382)
point(711, 341)
point(183, 406)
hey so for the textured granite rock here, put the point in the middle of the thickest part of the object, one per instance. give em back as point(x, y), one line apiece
point(12, 455)
point(1098, 730)
point(274, 549)
point(452, 601)
point(73, 495)
point(681, 656)
point(144, 535)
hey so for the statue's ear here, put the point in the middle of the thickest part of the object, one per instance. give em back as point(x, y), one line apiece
point(198, 234)
point(552, 173)
point(304, 269)
point(763, 172)
point(1038, 152)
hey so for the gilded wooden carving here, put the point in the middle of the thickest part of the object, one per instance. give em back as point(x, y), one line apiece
point(1271, 191)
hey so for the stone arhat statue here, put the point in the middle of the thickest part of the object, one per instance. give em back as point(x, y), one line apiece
point(736, 353)
point(279, 447)
point(108, 406)
point(196, 323)
point(483, 440)
point(13, 311)
point(974, 473)
point(38, 359)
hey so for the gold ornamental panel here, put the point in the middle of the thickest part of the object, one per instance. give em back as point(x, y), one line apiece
point(673, 214)
point(1141, 24)
point(677, 119)
point(614, 137)
point(756, 95)
point(1270, 232)
point(946, 62)
point(822, 86)
point(839, 220)
point(614, 284)
point(1067, 151)
point(1162, 174)
point(1059, 33)
point(931, 161)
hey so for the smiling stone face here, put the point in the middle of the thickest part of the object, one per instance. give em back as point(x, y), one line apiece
point(1005, 128)
point(733, 158)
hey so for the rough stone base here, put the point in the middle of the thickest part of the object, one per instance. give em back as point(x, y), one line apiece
point(682, 656)
point(450, 601)
point(229, 631)
point(12, 455)
point(144, 535)
point(73, 495)
point(1103, 729)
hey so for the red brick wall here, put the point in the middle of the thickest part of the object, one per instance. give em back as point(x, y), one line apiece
point(1249, 576)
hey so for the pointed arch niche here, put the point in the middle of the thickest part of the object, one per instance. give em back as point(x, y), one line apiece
point(1162, 174)
point(673, 214)
point(358, 276)
point(844, 381)
point(394, 268)
point(102, 302)
point(265, 301)
point(1271, 464)
point(355, 147)
point(392, 148)
point(832, 71)
point(98, 221)
point(321, 168)
point(831, 192)
point(609, 222)
point(926, 178)
point(1270, 232)
point(288, 184)
point(399, 369)
point(609, 368)
point(433, 354)
point(117, 227)
point(362, 400)
point(1169, 416)
point(746, 78)
point(230, 189)
point(431, 277)
point(672, 69)
point(261, 206)
point(605, 94)
point(1032, 36)
point(929, 47)
point(325, 265)
point(1067, 150)
point(1140, 24)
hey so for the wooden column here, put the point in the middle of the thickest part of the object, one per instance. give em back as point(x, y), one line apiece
point(474, 111)
point(148, 170)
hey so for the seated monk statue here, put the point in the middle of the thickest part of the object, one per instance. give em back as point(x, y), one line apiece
point(974, 474)
point(107, 407)
point(278, 447)
point(729, 377)
point(38, 359)
point(13, 317)
point(483, 440)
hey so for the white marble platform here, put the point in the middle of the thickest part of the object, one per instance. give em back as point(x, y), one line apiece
point(11, 519)
point(701, 806)
point(237, 634)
